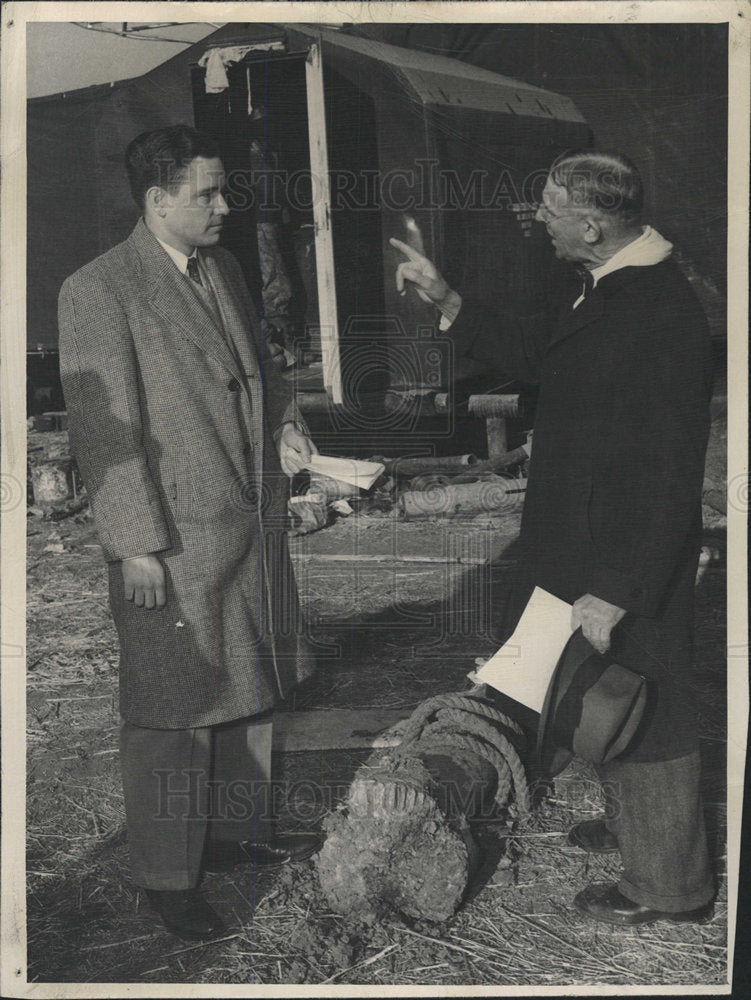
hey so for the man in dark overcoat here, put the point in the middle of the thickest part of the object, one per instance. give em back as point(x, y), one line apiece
point(185, 434)
point(612, 516)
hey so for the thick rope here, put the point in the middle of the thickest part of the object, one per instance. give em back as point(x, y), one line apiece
point(438, 736)
point(461, 721)
point(468, 702)
point(467, 722)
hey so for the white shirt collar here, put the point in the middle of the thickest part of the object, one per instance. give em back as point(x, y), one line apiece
point(180, 259)
point(647, 249)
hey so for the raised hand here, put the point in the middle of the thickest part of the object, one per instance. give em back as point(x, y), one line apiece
point(421, 272)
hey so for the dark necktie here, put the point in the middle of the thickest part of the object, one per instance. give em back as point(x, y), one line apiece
point(193, 271)
point(587, 279)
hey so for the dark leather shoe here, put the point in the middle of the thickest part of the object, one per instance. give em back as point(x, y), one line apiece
point(605, 902)
point(222, 856)
point(593, 835)
point(186, 913)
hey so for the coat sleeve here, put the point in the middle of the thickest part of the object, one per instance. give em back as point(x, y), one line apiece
point(99, 373)
point(506, 341)
point(644, 508)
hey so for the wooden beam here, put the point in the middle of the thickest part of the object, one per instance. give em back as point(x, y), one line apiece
point(319, 166)
point(337, 729)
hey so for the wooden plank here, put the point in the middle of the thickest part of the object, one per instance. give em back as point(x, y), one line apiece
point(319, 166)
point(337, 729)
point(391, 560)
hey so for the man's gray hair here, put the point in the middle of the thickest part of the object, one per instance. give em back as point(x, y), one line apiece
point(606, 181)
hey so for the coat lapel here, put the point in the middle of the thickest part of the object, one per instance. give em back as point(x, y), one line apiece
point(237, 325)
point(592, 308)
point(173, 299)
point(572, 320)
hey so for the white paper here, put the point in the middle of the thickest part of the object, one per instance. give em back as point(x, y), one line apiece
point(523, 666)
point(347, 470)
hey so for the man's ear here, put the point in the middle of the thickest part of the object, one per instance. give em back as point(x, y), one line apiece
point(155, 199)
point(592, 230)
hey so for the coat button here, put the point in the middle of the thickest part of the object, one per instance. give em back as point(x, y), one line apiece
point(233, 385)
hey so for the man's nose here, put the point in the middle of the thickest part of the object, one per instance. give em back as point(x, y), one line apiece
point(221, 207)
point(538, 214)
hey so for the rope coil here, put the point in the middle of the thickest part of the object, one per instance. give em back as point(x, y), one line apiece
point(464, 721)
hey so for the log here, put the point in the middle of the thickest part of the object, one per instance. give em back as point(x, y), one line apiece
point(487, 496)
point(308, 514)
point(53, 482)
point(514, 457)
point(417, 402)
point(441, 402)
point(401, 842)
point(313, 402)
point(406, 468)
point(494, 406)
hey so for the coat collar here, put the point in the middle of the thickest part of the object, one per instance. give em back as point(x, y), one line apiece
point(592, 308)
point(176, 302)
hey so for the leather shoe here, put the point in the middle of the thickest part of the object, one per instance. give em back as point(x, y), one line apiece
point(593, 835)
point(604, 901)
point(186, 913)
point(222, 856)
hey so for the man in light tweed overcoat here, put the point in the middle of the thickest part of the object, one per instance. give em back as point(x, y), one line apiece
point(184, 434)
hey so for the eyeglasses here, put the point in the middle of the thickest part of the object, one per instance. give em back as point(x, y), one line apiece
point(546, 215)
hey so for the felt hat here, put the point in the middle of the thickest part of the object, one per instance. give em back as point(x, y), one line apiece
point(592, 708)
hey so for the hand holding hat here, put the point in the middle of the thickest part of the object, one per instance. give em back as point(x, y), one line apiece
point(593, 708)
point(597, 619)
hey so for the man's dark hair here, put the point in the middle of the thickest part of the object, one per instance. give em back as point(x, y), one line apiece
point(608, 182)
point(161, 157)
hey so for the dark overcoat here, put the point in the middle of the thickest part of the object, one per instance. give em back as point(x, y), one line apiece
point(613, 504)
point(172, 415)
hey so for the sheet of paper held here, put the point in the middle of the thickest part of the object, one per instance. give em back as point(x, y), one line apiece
point(356, 472)
point(522, 667)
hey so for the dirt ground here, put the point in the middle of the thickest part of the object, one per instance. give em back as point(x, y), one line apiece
point(389, 634)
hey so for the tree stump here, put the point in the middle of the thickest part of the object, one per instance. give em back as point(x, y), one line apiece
point(401, 842)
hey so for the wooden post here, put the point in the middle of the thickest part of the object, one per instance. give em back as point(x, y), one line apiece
point(495, 409)
point(319, 167)
point(497, 441)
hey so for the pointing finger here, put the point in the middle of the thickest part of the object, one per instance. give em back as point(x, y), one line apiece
point(406, 249)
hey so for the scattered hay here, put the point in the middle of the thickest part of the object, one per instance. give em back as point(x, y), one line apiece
point(88, 923)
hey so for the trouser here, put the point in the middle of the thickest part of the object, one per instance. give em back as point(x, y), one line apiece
point(655, 811)
point(181, 785)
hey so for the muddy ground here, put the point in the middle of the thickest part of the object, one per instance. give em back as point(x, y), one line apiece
point(390, 634)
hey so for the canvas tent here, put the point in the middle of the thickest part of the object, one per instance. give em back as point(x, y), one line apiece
point(383, 111)
point(658, 92)
point(400, 113)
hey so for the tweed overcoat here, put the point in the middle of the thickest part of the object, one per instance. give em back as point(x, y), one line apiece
point(172, 415)
point(613, 504)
